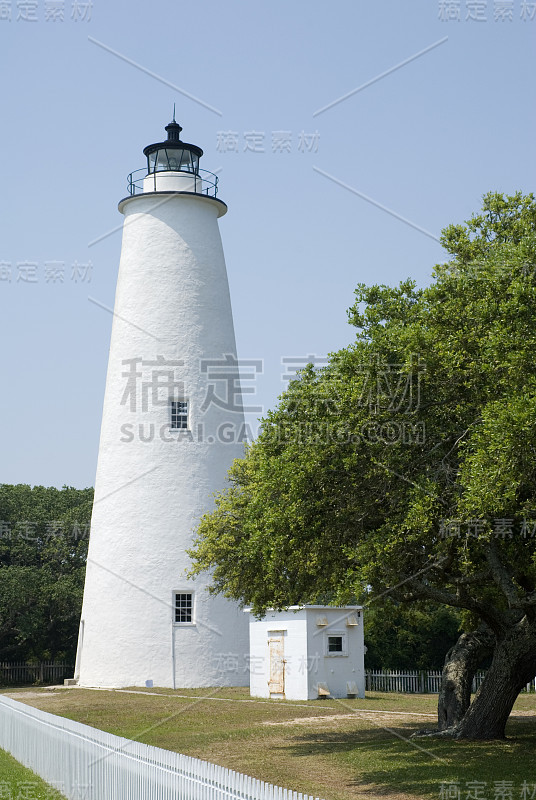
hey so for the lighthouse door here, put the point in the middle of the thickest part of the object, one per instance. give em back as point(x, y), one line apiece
point(276, 648)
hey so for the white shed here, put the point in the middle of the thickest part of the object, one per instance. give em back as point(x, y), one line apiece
point(307, 652)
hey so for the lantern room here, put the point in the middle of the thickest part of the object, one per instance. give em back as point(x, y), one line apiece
point(173, 155)
point(173, 166)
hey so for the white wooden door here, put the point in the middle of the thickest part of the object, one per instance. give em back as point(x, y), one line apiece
point(276, 646)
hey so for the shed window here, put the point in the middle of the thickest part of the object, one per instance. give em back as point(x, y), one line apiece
point(336, 644)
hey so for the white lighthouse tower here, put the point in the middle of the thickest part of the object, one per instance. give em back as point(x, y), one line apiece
point(172, 424)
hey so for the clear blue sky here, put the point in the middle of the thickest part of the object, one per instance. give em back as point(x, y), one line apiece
point(425, 141)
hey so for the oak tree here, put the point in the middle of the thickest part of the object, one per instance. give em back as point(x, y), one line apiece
point(406, 468)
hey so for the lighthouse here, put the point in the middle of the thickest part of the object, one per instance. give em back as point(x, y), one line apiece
point(172, 424)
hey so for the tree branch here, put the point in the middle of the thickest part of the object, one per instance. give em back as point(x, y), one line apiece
point(501, 576)
point(492, 616)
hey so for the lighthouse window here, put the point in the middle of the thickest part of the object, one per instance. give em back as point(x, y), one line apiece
point(179, 414)
point(174, 159)
point(162, 162)
point(184, 607)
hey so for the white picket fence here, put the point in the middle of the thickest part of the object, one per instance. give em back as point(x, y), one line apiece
point(88, 764)
point(21, 672)
point(423, 681)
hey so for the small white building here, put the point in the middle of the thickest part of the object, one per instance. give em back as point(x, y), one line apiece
point(307, 652)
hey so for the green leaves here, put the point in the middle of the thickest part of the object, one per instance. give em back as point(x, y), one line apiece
point(43, 550)
point(503, 219)
point(428, 418)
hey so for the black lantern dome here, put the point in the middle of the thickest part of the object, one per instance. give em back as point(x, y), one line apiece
point(173, 155)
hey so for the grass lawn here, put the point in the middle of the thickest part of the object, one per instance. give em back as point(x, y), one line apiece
point(17, 782)
point(334, 749)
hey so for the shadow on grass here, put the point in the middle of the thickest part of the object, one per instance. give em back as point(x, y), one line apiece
point(346, 741)
point(381, 761)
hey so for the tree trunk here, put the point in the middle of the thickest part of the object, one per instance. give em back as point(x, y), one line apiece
point(513, 666)
point(461, 663)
